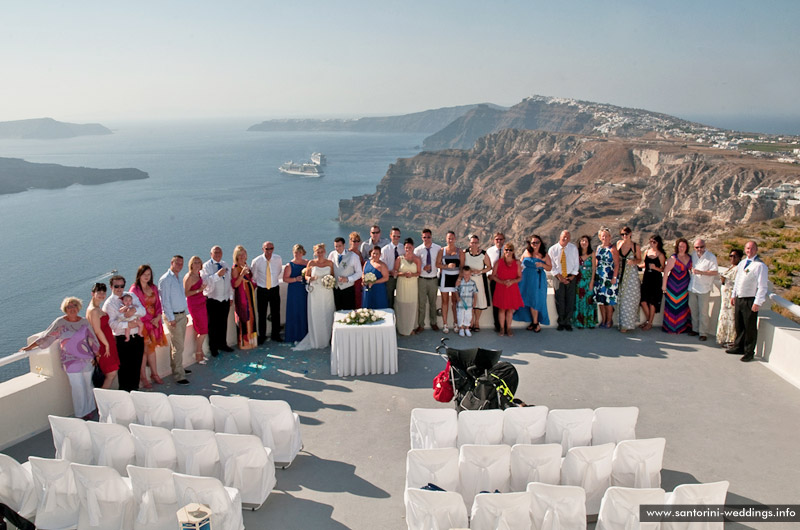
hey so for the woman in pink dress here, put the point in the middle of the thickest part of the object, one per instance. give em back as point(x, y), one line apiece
point(507, 273)
point(244, 299)
point(107, 357)
point(153, 334)
point(193, 284)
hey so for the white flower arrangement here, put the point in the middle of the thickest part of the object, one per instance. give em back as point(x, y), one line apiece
point(328, 281)
point(369, 279)
point(360, 317)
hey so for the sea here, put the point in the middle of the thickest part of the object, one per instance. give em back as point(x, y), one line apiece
point(211, 183)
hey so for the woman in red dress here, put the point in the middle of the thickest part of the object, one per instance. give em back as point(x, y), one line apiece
point(507, 273)
point(193, 284)
point(147, 293)
point(107, 358)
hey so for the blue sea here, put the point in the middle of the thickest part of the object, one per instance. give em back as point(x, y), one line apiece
point(211, 183)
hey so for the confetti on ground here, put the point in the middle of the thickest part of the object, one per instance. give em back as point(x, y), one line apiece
point(235, 377)
point(275, 356)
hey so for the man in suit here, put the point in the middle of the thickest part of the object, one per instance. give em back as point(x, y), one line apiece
point(749, 294)
point(267, 270)
point(219, 298)
point(346, 270)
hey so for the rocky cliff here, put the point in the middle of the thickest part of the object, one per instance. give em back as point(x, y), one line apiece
point(522, 182)
point(48, 129)
point(17, 175)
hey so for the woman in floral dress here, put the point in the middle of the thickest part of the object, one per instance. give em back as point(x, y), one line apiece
point(605, 281)
point(585, 309)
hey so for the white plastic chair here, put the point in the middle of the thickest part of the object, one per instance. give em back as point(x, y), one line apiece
point(198, 453)
point(154, 446)
point(16, 486)
point(428, 510)
point(535, 463)
point(637, 463)
point(278, 427)
point(56, 494)
point(71, 439)
point(589, 468)
point(710, 493)
point(155, 504)
point(153, 409)
point(112, 445)
point(480, 427)
point(524, 425)
point(432, 466)
point(115, 406)
point(614, 424)
point(557, 507)
point(225, 503)
point(191, 412)
point(231, 414)
point(506, 511)
point(570, 428)
point(106, 499)
point(433, 428)
point(247, 466)
point(483, 468)
point(619, 509)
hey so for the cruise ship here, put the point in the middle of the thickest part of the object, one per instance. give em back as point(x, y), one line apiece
point(301, 170)
point(319, 159)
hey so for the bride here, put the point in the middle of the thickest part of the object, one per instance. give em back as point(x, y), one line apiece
point(320, 302)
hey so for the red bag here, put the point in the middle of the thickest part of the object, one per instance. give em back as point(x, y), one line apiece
point(442, 388)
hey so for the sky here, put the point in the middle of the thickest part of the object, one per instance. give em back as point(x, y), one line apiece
point(725, 62)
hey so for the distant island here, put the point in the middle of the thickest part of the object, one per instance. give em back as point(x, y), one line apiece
point(17, 175)
point(48, 129)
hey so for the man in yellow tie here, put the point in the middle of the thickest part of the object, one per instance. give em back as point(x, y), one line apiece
point(267, 268)
point(566, 265)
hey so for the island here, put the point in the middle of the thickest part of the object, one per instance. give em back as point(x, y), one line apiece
point(48, 129)
point(17, 175)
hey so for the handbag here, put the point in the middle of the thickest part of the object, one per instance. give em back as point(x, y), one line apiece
point(442, 387)
point(98, 377)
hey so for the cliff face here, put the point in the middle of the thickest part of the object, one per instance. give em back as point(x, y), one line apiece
point(522, 182)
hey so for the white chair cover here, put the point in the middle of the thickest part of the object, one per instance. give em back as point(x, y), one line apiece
point(710, 493)
point(278, 427)
point(535, 463)
point(198, 453)
point(434, 466)
point(506, 511)
point(557, 507)
point(71, 439)
point(524, 425)
point(153, 409)
point(433, 428)
point(614, 424)
point(231, 414)
point(115, 406)
point(434, 510)
point(112, 445)
point(637, 463)
point(154, 447)
point(589, 468)
point(570, 428)
point(480, 427)
point(192, 412)
point(106, 500)
point(483, 468)
point(16, 486)
point(56, 494)
point(155, 504)
point(247, 466)
point(225, 503)
point(619, 509)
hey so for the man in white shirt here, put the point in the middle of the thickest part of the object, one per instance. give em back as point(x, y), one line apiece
point(346, 270)
point(375, 240)
point(749, 294)
point(130, 351)
point(428, 283)
point(267, 271)
point(494, 252)
point(566, 265)
point(173, 302)
point(219, 299)
point(703, 273)
point(390, 253)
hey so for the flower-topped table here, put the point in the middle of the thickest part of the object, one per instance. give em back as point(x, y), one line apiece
point(362, 349)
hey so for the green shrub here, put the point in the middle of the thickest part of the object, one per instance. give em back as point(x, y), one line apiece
point(778, 223)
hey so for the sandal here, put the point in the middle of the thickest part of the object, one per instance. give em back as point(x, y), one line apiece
point(531, 327)
point(538, 328)
point(445, 329)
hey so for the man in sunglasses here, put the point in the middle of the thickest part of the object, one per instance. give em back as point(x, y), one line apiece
point(130, 351)
point(375, 240)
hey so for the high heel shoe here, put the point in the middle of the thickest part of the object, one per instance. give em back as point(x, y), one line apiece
point(145, 383)
point(157, 380)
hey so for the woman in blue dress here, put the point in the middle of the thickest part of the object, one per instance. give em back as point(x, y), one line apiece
point(533, 285)
point(605, 282)
point(374, 294)
point(296, 296)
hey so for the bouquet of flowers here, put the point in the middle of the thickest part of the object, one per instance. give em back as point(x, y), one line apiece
point(328, 281)
point(362, 316)
point(369, 279)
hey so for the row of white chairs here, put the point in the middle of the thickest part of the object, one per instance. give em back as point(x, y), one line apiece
point(271, 420)
point(231, 458)
point(552, 507)
point(57, 494)
point(435, 428)
point(476, 468)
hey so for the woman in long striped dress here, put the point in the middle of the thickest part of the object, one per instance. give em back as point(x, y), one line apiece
point(630, 288)
point(677, 317)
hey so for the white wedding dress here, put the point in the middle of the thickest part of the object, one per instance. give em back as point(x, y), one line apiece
point(320, 313)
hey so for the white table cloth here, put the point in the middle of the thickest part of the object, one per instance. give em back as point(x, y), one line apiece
point(367, 349)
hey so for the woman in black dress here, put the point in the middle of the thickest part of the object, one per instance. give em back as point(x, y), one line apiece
point(653, 263)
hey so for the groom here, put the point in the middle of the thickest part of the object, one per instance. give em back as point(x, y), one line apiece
point(346, 269)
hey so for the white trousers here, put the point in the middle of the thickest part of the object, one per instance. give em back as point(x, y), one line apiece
point(464, 316)
point(82, 392)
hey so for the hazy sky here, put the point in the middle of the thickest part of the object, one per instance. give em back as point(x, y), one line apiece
point(95, 61)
